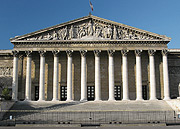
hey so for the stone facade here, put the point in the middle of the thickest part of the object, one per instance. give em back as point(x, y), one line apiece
point(117, 44)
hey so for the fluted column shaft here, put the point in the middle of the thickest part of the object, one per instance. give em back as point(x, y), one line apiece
point(42, 76)
point(28, 76)
point(138, 75)
point(83, 76)
point(55, 75)
point(152, 75)
point(15, 76)
point(125, 75)
point(97, 75)
point(69, 75)
point(111, 75)
point(165, 75)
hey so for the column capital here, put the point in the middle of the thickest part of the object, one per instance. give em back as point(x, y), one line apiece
point(21, 57)
point(111, 52)
point(42, 53)
point(164, 52)
point(151, 52)
point(69, 53)
point(138, 52)
point(124, 52)
point(55, 52)
point(15, 53)
point(97, 53)
point(28, 53)
point(83, 53)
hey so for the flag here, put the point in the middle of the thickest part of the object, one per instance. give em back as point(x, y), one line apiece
point(91, 5)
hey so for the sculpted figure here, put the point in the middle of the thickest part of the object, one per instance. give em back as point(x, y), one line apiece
point(98, 31)
point(105, 32)
point(134, 35)
point(40, 37)
point(59, 34)
point(71, 33)
point(89, 29)
point(109, 32)
point(114, 33)
point(62, 33)
point(7, 71)
point(130, 35)
point(33, 38)
point(119, 33)
point(82, 31)
point(48, 37)
point(55, 37)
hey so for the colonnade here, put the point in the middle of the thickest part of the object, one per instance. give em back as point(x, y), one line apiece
point(97, 75)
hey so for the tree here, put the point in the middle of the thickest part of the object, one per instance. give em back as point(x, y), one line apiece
point(5, 94)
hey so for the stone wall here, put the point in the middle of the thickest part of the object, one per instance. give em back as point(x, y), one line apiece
point(174, 74)
point(6, 69)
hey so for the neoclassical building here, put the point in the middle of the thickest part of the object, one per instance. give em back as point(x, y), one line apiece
point(92, 58)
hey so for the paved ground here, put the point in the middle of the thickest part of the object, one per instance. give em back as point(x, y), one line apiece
point(128, 127)
point(159, 105)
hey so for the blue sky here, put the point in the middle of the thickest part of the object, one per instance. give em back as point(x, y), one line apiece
point(19, 17)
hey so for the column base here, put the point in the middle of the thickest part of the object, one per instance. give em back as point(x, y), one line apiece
point(167, 98)
point(55, 100)
point(27, 100)
point(111, 100)
point(126, 99)
point(97, 100)
point(69, 100)
point(83, 99)
point(153, 99)
point(41, 101)
point(178, 98)
point(139, 99)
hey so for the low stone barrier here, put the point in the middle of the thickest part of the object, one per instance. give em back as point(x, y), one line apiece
point(5, 106)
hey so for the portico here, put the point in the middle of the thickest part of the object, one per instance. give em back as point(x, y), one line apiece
point(92, 59)
point(125, 90)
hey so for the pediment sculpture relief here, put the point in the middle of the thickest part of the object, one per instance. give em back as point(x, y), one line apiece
point(91, 29)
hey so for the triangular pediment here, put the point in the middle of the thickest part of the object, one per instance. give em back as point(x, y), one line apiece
point(90, 28)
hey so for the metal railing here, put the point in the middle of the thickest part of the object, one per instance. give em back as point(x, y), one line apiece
point(94, 117)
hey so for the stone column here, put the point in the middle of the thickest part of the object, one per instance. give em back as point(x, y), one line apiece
point(111, 75)
point(165, 75)
point(15, 76)
point(55, 75)
point(83, 76)
point(125, 74)
point(69, 75)
point(97, 75)
point(42, 76)
point(28, 76)
point(138, 75)
point(152, 75)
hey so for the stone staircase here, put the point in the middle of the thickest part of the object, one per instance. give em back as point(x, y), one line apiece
point(91, 112)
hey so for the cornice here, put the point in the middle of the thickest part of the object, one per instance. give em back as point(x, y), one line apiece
point(91, 42)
